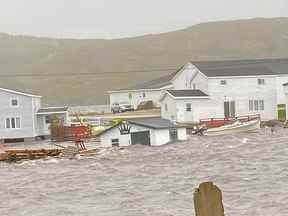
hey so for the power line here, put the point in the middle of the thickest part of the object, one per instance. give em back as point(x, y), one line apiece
point(88, 73)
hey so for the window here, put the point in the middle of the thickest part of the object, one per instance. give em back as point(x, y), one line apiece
point(115, 142)
point(143, 94)
point(188, 107)
point(261, 81)
point(14, 102)
point(13, 123)
point(261, 105)
point(256, 105)
point(223, 82)
point(166, 107)
point(47, 119)
point(8, 123)
point(194, 86)
point(251, 105)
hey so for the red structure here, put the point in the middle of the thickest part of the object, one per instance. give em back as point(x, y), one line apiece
point(80, 134)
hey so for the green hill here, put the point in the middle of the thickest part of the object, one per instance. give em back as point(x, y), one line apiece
point(79, 72)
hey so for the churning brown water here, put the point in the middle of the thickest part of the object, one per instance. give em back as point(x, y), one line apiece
point(251, 170)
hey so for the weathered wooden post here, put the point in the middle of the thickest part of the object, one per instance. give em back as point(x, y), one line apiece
point(208, 200)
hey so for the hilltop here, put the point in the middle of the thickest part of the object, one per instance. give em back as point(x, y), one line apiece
point(79, 72)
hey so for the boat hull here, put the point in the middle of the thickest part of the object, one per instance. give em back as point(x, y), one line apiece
point(235, 128)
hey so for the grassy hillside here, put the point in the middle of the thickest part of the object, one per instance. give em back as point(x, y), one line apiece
point(79, 72)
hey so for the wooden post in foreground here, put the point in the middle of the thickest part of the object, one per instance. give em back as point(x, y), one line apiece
point(208, 200)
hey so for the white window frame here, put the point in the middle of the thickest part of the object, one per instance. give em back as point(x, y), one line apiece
point(15, 123)
point(256, 105)
point(13, 106)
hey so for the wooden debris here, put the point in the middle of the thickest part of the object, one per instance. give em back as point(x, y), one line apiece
point(208, 200)
point(70, 152)
point(15, 155)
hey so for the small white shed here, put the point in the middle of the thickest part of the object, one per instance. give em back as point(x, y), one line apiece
point(146, 131)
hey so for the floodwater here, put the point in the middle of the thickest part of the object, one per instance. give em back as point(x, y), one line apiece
point(251, 170)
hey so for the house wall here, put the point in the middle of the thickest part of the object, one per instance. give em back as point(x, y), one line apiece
point(200, 108)
point(137, 97)
point(182, 134)
point(170, 114)
point(24, 111)
point(161, 137)
point(241, 90)
point(124, 140)
point(281, 97)
point(190, 78)
point(238, 89)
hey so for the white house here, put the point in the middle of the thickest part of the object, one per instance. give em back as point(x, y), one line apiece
point(22, 117)
point(146, 131)
point(220, 89)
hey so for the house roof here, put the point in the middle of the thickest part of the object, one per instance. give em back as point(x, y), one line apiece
point(243, 67)
point(252, 67)
point(157, 83)
point(277, 66)
point(18, 92)
point(153, 123)
point(236, 71)
point(52, 110)
point(187, 93)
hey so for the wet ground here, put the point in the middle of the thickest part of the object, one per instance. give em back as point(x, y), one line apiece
point(251, 170)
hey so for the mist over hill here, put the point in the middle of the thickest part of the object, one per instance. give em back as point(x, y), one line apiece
point(79, 72)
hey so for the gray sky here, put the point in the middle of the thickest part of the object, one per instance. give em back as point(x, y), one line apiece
point(124, 18)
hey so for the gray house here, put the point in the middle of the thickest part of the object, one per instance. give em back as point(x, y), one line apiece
point(22, 117)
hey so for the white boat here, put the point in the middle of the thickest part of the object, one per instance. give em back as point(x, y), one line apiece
point(236, 127)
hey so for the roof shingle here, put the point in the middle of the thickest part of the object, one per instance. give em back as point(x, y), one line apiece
point(187, 93)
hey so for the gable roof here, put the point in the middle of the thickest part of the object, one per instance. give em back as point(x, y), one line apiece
point(18, 92)
point(153, 123)
point(52, 110)
point(187, 93)
point(157, 83)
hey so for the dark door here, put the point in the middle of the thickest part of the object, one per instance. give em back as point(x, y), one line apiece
point(226, 109)
point(142, 137)
point(229, 109)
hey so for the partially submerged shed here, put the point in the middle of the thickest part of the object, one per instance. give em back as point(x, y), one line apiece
point(146, 131)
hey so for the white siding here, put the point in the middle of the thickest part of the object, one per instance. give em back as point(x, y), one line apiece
point(241, 90)
point(170, 114)
point(157, 136)
point(281, 97)
point(182, 134)
point(24, 111)
point(190, 78)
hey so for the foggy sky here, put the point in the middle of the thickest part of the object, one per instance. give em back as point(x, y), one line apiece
point(124, 18)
